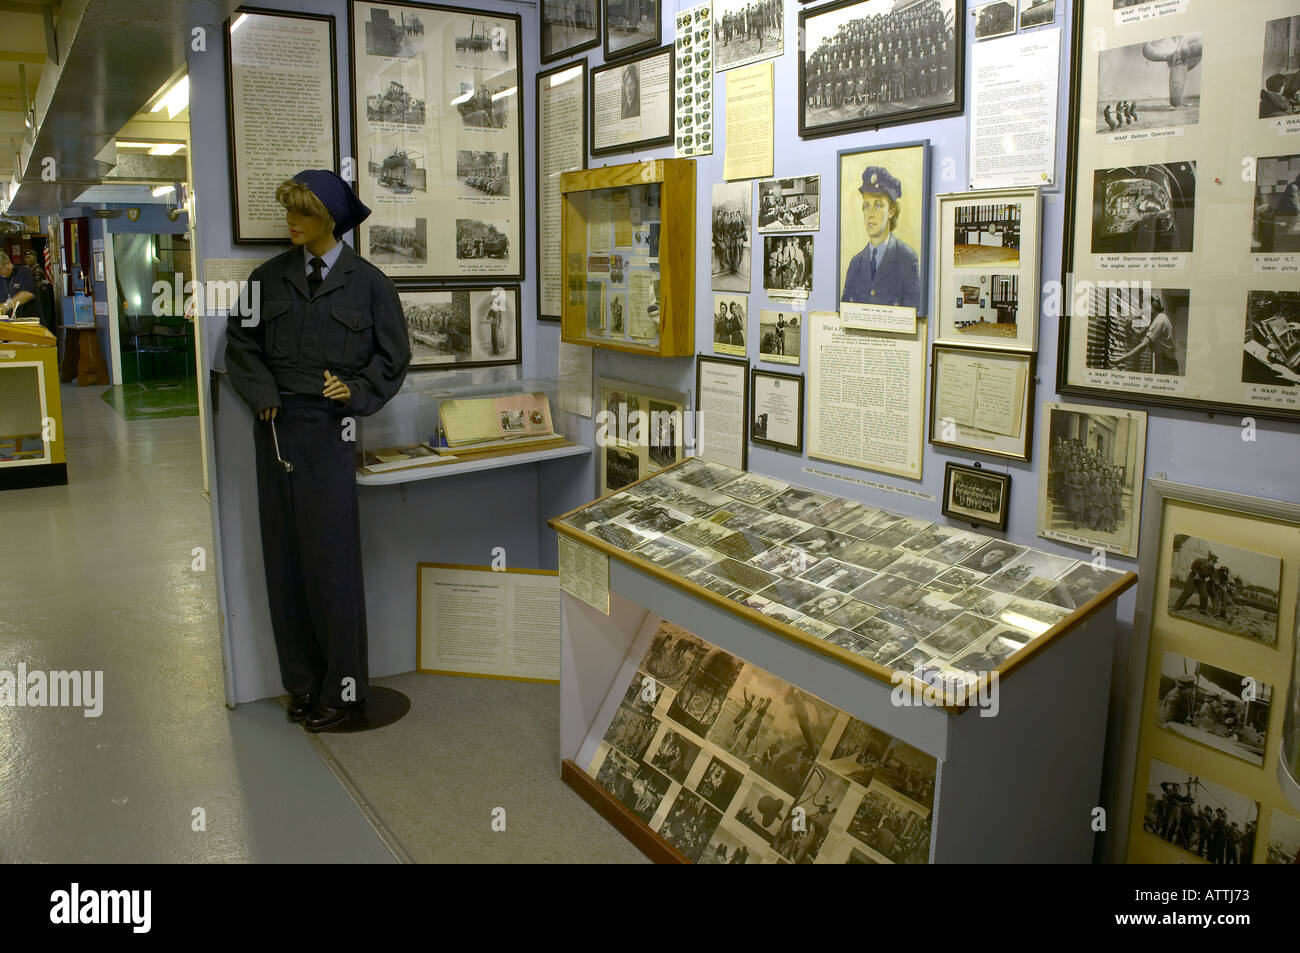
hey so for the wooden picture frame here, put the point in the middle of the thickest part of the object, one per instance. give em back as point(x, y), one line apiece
point(466, 223)
point(980, 369)
point(649, 12)
point(550, 200)
point(742, 364)
point(247, 18)
point(825, 98)
point(662, 102)
point(958, 477)
point(552, 52)
point(457, 320)
point(763, 401)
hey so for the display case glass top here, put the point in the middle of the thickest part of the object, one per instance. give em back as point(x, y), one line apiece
point(629, 257)
point(882, 592)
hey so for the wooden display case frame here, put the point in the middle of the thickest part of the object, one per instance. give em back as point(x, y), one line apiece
point(676, 178)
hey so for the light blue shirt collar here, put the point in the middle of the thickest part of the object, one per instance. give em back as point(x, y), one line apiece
point(882, 249)
point(330, 257)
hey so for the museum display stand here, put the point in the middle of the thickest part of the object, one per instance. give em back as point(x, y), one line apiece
point(31, 414)
point(1019, 786)
point(629, 257)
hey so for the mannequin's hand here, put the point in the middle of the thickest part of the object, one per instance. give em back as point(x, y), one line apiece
point(267, 413)
point(335, 389)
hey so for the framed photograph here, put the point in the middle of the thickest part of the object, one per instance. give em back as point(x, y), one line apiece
point(996, 18)
point(883, 235)
point(1183, 288)
point(722, 389)
point(982, 400)
point(977, 496)
point(780, 337)
point(462, 327)
point(988, 251)
point(568, 27)
point(733, 213)
point(1225, 587)
point(1090, 489)
point(258, 44)
point(1037, 13)
point(445, 181)
point(639, 431)
point(776, 410)
point(561, 147)
point(730, 323)
point(98, 258)
point(790, 205)
point(864, 64)
point(631, 26)
point(746, 32)
point(1213, 706)
point(632, 103)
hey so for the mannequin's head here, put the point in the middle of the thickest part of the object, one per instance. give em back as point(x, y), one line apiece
point(309, 220)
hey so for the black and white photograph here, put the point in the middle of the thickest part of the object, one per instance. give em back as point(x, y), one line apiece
point(568, 26)
point(478, 240)
point(1031, 564)
point(790, 205)
point(397, 170)
point(1151, 85)
point(405, 244)
point(689, 824)
point(954, 636)
point(870, 63)
point(1090, 493)
point(788, 265)
point(761, 810)
point(780, 336)
point(976, 495)
point(997, 18)
point(728, 847)
point(481, 42)
point(894, 827)
point(797, 502)
point(853, 614)
point(802, 834)
point(1272, 345)
point(399, 100)
point(1200, 816)
point(842, 577)
point(1283, 839)
point(674, 755)
point(643, 694)
point(791, 592)
point(719, 783)
point(699, 702)
point(738, 573)
point(616, 773)
point(1276, 226)
point(986, 235)
point(1213, 706)
point(1138, 329)
point(1225, 587)
point(482, 174)
point(1144, 209)
point(991, 650)
point(712, 583)
point(645, 791)
point(732, 245)
point(730, 323)
point(752, 488)
point(701, 533)
point(665, 434)
point(1036, 13)
point(478, 327)
point(921, 616)
point(1279, 84)
point(394, 32)
point(483, 107)
point(630, 732)
point(746, 31)
point(889, 591)
point(824, 603)
point(957, 547)
point(916, 568)
point(630, 26)
point(992, 556)
point(785, 561)
point(673, 655)
point(621, 468)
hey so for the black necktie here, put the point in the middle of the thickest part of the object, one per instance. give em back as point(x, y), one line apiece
point(314, 278)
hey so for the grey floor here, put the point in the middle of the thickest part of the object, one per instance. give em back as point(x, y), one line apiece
point(96, 575)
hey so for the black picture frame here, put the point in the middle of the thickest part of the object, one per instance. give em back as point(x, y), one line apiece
point(550, 56)
point(754, 374)
point(956, 70)
point(630, 49)
point(537, 166)
point(700, 361)
point(425, 287)
point(998, 523)
point(232, 159)
point(358, 92)
point(660, 140)
point(1027, 434)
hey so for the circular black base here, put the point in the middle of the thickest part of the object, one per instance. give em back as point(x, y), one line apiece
point(383, 707)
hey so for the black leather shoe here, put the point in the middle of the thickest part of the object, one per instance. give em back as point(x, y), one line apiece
point(300, 707)
point(323, 717)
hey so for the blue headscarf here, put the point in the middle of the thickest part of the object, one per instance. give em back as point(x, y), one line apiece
point(337, 196)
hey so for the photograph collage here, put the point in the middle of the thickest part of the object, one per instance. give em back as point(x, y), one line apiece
point(942, 604)
point(732, 765)
point(439, 135)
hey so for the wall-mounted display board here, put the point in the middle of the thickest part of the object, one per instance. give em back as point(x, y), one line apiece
point(629, 257)
point(1181, 208)
point(438, 136)
point(1207, 684)
point(561, 147)
point(281, 108)
point(864, 64)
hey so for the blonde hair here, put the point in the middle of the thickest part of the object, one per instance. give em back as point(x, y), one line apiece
point(296, 197)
